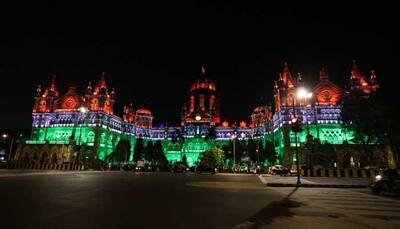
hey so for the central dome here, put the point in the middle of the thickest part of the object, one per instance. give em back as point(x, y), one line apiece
point(203, 104)
point(203, 83)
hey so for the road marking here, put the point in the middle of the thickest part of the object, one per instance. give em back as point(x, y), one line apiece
point(225, 185)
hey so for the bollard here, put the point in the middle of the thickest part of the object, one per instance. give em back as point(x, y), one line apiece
point(338, 173)
point(363, 173)
point(330, 171)
point(323, 171)
point(346, 173)
point(355, 175)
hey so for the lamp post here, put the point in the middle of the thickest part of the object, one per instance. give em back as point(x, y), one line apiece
point(302, 93)
point(5, 136)
point(305, 94)
point(233, 137)
point(295, 130)
point(83, 110)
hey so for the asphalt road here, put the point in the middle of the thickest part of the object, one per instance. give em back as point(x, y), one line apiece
point(131, 200)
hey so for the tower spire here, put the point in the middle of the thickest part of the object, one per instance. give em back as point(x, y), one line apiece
point(102, 82)
point(53, 85)
point(51, 89)
point(323, 75)
point(203, 71)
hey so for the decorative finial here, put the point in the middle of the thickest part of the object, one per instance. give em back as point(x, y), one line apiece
point(102, 82)
point(373, 76)
point(299, 76)
point(112, 93)
point(53, 86)
point(39, 90)
point(203, 71)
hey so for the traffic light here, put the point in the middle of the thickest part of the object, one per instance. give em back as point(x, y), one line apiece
point(296, 122)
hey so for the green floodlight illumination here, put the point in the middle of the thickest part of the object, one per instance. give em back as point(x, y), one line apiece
point(103, 140)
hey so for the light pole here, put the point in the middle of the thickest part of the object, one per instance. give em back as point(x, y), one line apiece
point(295, 129)
point(302, 93)
point(83, 110)
point(233, 137)
point(5, 136)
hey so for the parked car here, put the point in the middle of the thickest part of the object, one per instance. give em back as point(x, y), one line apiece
point(280, 170)
point(243, 169)
point(179, 168)
point(143, 166)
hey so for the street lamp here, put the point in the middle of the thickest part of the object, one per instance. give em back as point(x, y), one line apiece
point(302, 93)
point(83, 110)
point(5, 136)
point(233, 137)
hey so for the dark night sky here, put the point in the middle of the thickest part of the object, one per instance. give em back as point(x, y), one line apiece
point(152, 52)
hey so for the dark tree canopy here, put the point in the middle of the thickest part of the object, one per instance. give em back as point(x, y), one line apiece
point(373, 119)
point(184, 160)
point(139, 149)
point(269, 153)
point(121, 153)
point(252, 150)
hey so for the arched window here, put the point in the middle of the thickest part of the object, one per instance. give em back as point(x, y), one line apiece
point(90, 137)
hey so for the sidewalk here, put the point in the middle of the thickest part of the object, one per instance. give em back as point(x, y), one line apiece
point(314, 182)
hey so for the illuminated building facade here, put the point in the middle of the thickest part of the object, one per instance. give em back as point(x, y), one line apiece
point(59, 123)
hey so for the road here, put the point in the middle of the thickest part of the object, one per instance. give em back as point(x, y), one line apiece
point(130, 200)
point(165, 200)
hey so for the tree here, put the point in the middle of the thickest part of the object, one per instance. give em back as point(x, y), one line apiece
point(184, 161)
point(369, 120)
point(149, 154)
point(252, 150)
point(120, 154)
point(139, 149)
point(214, 158)
point(326, 154)
point(228, 151)
point(241, 150)
point(319, 154)
point(160, 156)
point(270, 154)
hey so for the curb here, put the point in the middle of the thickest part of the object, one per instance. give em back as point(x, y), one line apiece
point(316, 185)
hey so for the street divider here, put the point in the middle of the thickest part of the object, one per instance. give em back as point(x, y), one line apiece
point(41, 166)
point(348, 173)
